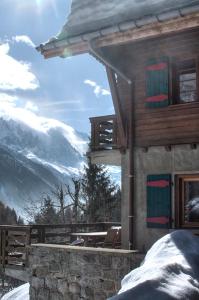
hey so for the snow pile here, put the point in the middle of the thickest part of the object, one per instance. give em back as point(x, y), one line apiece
point(20, 293)
point(170, 271)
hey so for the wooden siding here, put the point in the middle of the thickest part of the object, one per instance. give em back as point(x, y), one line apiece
point(175, 124)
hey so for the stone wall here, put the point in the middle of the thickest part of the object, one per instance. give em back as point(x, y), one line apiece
point(72, 273)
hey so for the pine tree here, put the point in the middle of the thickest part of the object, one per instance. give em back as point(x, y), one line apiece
point(48, 213)
point(8, 216)
point(101, 196)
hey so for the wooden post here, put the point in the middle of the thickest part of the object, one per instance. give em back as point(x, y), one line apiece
point(28, 243)
point(1, 244)
point(4, 248)
point(41, 235)
point(117, 106)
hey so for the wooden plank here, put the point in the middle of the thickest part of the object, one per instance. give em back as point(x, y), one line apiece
point(4, 248)
point(15, 227)
point(162, 119)
point(16, 233)
point(69, 50)
point(169, 123)
point(158, 141)
point(142, 115)
point(41, 235)
point(18, 249)
point(168, 132)
point(117, 106)
point(19, 240)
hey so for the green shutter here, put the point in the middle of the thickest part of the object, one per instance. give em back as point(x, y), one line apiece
point(159, 201)
point(157, 83)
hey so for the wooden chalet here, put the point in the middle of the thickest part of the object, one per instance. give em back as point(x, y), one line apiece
point(150, 50)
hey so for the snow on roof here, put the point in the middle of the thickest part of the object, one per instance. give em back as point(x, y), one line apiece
point(91, 19)
point(170, 271)
point(92, 15)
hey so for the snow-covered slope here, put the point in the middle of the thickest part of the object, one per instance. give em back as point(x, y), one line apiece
point(170, 271)
point(35, 154)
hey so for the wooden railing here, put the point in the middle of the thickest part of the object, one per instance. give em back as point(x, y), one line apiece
point(104, 133)
point(13, 245)
point(15, 240)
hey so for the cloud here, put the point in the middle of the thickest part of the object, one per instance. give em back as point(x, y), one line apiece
point(31, 106)
point(15, 74)
point(23, 39)
point(98, 90)
point(80, 109)
point(7, 99)
point(58, 103)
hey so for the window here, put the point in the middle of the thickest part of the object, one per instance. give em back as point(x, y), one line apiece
point(187, 200)
point(186, 87)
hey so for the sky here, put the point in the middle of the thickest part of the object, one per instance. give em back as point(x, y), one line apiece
point(70, 90)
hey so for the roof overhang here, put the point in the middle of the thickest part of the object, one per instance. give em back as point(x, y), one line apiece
point(148, 27)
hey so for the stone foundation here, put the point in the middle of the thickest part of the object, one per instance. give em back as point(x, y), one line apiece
point(72, 273)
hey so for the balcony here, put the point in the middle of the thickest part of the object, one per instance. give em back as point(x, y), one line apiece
point(105, 142)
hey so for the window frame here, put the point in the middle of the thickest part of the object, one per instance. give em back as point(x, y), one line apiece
point(180, 179)
point(176, 64)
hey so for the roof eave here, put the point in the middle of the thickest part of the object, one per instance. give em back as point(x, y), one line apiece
point(148, 27)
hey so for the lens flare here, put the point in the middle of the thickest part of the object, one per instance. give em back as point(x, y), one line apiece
point(42, 4)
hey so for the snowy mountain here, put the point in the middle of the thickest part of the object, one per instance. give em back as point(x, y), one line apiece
point(36, 153)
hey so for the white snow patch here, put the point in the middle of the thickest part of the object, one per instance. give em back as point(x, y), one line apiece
point(170, 270)
point(20, 293)
point(58, 167)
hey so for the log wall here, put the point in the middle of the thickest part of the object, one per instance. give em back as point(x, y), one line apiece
point(175, 124)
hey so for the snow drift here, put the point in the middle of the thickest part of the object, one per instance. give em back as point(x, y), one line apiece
point(20, 293)
point(170, 270)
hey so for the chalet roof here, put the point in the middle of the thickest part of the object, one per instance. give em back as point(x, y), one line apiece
point(92, 15)
point(90, 19)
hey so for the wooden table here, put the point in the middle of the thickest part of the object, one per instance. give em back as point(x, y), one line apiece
point(90, 236)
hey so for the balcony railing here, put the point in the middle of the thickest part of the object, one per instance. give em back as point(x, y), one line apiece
point(104, 133)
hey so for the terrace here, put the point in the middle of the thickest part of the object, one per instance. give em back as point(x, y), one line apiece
point(44, 256)
point(15, 241)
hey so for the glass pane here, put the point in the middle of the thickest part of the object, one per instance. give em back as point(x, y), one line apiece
point(188, 87)
point(192, 201)
point(188, 76)
point(188, 96)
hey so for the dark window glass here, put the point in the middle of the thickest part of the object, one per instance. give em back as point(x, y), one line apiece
point(187, 200)
point(186, 82)
point(191, 192)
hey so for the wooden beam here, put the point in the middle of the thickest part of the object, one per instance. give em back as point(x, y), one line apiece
point(148, 31)
point(117, 106)
point(67, 51)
